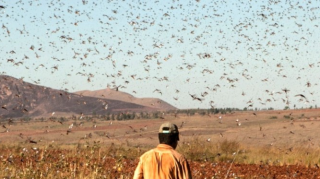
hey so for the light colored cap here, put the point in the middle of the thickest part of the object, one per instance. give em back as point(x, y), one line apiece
point(168, 127)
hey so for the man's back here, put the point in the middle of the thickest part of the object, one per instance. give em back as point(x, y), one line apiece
point(162, 162)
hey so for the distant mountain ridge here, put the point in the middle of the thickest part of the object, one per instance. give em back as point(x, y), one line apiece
point(21, 99)
point(122, 96)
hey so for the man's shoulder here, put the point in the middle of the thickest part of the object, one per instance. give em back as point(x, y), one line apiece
point(166, 149)
point(148, 153)
point(178, 156)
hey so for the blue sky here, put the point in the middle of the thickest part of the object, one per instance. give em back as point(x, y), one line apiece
point(241, 53)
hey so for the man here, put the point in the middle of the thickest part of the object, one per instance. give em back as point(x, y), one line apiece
point(163, 161)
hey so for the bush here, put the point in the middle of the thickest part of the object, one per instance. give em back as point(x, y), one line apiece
point(229, 147)
point(199, 150)
point(286, 116)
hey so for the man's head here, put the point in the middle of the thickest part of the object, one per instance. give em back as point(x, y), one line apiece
point(169, 134)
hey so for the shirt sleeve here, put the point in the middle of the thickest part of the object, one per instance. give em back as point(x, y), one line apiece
point(138, 173)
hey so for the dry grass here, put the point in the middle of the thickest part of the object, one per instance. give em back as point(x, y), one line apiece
point(82, 161)
point(225, 150)
point(93, 160)
point(112, 150)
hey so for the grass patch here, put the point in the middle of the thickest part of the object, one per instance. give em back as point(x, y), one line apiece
point(225, 151)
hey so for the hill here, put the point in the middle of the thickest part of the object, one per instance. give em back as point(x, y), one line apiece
point(122, 96)
point(22, 99)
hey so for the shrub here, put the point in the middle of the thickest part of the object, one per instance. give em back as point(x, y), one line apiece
point(286, 116)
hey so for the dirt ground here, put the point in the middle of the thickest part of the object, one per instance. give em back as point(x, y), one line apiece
point(258, 129)
point(253, 128)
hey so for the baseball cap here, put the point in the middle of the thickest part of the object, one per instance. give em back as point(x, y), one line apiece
point(168, 127)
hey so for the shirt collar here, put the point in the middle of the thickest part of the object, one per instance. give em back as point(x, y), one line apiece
point(164, 146)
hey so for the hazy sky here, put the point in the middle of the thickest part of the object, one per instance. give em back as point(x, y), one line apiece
point(226, 53)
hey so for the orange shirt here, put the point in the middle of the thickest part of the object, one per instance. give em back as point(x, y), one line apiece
point(161, 163)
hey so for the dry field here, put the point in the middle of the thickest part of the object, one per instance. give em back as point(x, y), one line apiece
point(251, 144)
